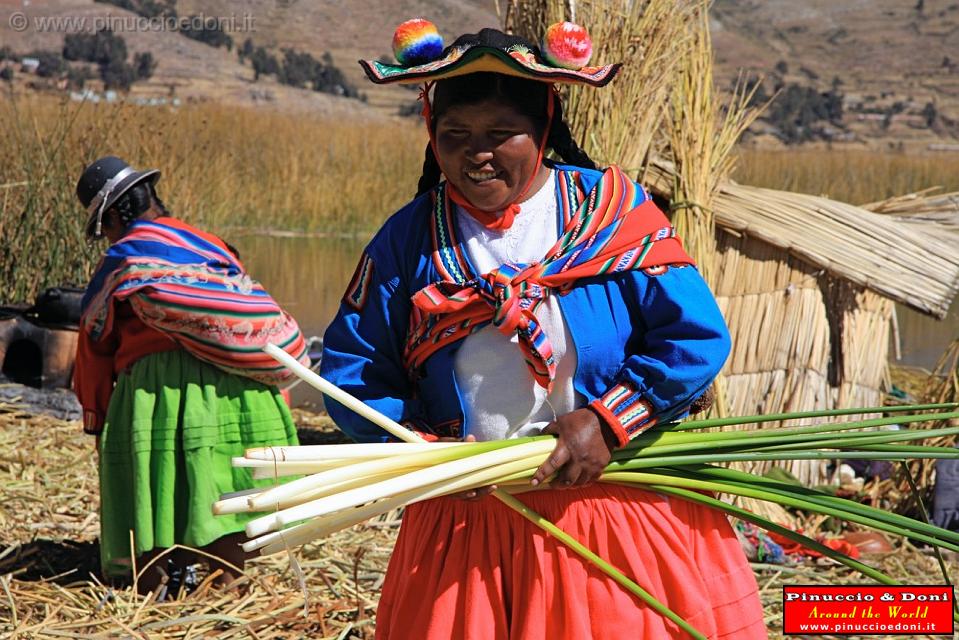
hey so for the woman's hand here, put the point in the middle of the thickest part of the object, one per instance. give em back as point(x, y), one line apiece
point(470, 494)
point(583, 450)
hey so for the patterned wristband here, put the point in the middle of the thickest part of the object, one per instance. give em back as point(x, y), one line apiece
point(625, 410)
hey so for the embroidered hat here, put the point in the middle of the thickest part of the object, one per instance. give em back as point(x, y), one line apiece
point(567, 47)
point(103, 183)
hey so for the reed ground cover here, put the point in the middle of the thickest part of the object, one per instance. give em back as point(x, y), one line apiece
point(49, 523)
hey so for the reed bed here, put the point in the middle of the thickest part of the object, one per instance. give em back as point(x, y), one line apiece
point(855, 176)
point(224, 168)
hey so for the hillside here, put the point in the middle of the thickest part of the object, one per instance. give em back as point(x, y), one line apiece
point(873, 73)
point(892, 58)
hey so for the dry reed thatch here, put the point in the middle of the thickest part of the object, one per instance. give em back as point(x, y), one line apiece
point(807, 288)
point(923, 206)
point(910, 264)
point(620, 122)
point(49, 587)
point(701, 142)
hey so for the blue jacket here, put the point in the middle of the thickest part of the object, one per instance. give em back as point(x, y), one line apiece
point(655, 334)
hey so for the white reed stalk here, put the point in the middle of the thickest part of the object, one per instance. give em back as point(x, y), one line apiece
point(242, 505)
point(352, 483)
point(326, 525)
point(318, 452)
point(322, 465)
point(232, 504)
point(304, 532)
point(268, 500)
point(285, 469)
point(348, 401)
point(407, 482)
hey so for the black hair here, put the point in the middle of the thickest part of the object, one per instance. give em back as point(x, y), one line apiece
point(529, 97)
point(137, 201)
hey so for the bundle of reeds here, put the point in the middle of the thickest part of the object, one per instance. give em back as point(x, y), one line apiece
point(347, 484)
point(927, 205)
point(701, 141)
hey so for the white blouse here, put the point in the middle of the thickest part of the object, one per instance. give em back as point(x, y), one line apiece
point(500, 397)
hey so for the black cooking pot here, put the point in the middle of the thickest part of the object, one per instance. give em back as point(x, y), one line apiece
point(58, 305)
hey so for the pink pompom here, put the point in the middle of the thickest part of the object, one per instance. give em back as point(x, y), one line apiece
point(567, 45)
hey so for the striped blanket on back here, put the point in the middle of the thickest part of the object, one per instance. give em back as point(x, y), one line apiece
point(193, 289)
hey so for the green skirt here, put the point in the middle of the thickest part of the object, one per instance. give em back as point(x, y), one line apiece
point(172, 427)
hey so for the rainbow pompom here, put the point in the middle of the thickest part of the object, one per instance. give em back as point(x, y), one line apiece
point(567, 45)
point(417, 41)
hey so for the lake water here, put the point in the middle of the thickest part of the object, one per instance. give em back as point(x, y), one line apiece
point(308, 276)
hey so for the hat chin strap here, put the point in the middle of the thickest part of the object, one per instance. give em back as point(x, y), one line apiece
point(103, 195)
point(489, 219)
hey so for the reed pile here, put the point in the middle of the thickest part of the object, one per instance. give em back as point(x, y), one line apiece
point(50, 585)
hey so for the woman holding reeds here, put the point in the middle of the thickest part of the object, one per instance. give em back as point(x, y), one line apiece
point(171, 378)
point(522, 296)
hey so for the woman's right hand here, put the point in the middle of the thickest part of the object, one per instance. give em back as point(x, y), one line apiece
point(475, 494)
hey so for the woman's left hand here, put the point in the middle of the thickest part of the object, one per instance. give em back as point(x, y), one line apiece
point(582, 451)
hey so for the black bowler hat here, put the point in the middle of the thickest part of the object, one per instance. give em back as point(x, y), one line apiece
point(101, 185)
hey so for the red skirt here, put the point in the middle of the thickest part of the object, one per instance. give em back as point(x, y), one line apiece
point(480, 571)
